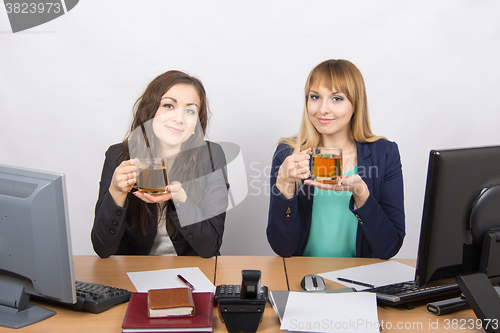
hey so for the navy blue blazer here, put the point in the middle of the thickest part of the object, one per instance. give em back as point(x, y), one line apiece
point(381, 227)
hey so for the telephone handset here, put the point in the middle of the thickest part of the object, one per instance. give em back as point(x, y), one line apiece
point(241, 306)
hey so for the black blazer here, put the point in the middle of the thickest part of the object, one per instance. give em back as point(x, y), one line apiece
point(199, 226)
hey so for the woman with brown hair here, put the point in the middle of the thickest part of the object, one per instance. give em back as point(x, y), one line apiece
point(170, 119)
point(362, 215)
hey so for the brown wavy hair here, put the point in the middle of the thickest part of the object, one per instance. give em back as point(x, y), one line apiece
point(144, 110)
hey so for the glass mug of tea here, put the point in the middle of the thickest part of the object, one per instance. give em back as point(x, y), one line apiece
point(326, 166)
point(151, 175)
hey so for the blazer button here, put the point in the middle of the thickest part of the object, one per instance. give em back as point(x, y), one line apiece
point(359, 219)
point(112, 231)
point(190, 236)
point(115, 223)
point(119, 212)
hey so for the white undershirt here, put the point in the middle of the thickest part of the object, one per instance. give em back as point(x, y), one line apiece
point(162, 245)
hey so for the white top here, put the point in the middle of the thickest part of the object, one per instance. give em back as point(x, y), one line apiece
point(162, 245)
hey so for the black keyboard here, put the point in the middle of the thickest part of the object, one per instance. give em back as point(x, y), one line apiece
point(96, 298)
point(404, 292)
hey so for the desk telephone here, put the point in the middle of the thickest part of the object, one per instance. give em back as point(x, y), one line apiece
point(241, 306)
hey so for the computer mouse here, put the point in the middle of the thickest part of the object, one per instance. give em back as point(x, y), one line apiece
point(312, 283)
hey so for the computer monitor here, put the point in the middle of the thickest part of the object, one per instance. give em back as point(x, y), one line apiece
point(455, 180)
point(35, 248)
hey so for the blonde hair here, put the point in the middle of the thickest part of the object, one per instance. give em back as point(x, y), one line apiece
point(342, 76)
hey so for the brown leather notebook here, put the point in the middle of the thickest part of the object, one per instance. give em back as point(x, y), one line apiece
point(170, 302)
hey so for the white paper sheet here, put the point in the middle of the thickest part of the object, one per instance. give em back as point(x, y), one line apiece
point(336, 312)
point(379, 274)
point(167, 278)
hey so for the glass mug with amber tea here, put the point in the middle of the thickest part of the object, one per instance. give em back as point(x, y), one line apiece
point(326, 166)
point(151, 175)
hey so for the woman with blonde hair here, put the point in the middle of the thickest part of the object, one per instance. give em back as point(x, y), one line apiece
point(362, 215)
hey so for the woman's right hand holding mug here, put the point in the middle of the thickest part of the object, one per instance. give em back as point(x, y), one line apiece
point(295, 167)
point(123, 181)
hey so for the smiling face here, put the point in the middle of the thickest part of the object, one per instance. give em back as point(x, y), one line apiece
point(330, 112)
point(177, 116)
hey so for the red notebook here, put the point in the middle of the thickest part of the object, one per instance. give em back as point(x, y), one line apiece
point(136, 318)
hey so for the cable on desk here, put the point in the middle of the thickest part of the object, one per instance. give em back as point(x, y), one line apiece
point(286, 275)
point(215, 269)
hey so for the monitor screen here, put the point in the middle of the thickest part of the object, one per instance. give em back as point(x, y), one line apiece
point(455, 179)
point(35, 247)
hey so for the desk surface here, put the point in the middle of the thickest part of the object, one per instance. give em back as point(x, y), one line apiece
point(112, 272)
point(392, 318)
point(277, 274)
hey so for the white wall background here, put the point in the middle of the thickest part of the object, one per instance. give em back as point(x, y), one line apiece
point(67, 87)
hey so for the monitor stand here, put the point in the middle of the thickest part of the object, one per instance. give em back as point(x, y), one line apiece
point(15, 311)
point(477, 287)
point(15, 318)
point(483, 299)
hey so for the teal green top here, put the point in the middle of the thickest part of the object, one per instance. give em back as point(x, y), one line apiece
point(333, 225)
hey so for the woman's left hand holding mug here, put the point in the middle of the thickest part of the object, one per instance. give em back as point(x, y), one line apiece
point(174, 192)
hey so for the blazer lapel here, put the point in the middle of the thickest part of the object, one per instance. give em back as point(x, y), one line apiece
point(364, 163)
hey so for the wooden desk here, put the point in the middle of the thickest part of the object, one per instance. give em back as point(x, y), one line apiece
point(111, 271)
point(273, 272)
point(228, 271)
point(298, 267)
point(391, 318)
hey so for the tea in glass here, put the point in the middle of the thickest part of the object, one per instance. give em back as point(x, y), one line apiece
point(152, 176)
point(326, 165)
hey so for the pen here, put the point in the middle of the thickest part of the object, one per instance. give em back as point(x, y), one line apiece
point(356, 282)
point(185, 281)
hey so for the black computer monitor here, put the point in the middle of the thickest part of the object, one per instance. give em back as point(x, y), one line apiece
point(35, 248)
point(460, 232)
point(455, 180)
